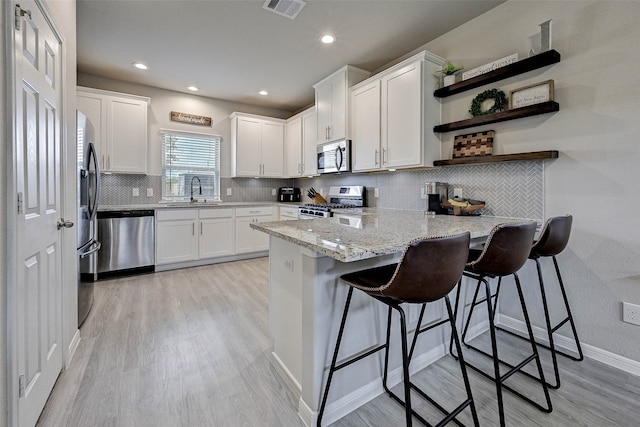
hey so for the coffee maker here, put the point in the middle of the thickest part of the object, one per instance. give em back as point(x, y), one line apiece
point(437, 193)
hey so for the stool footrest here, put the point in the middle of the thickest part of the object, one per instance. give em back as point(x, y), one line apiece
point(559, 325)
point(359, 357)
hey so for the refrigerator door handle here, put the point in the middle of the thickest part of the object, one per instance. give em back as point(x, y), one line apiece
point(89, 248)
point(93, 154)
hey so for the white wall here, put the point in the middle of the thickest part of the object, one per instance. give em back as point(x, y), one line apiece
point(597, 175)
point(164, 101)
point(4, 140)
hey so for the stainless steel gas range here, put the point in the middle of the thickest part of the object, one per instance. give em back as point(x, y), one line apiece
point(344, 197)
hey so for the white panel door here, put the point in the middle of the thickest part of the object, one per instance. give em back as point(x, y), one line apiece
point(309, 142)
point(38, 301)
point(249, 139)
point(127, 136)
point(272, 149)
point(402, 117)
point(176, 241)
point(216, 237)
point(294, 147)
point(365, 127)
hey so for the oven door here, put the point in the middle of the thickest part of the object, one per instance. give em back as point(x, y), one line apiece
point(334, 157)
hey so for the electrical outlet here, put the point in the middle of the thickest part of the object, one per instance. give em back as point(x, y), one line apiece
point(631, 313)
point(136, 192)
point(376, 192)
point(149, 192)
point(273, 191)
point(457, 192)
point(423, 193)
point(229, 192)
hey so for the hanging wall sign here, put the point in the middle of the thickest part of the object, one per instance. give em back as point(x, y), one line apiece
point(190, 118)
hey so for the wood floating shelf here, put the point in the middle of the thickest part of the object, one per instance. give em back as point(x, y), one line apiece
point(536, 155)
point(502, 116)
point(528, 64)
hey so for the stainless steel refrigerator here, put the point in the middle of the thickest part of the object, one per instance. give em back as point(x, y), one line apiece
point(88, 187)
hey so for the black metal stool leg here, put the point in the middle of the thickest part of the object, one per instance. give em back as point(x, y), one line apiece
point(332, 369)
point(569, 317)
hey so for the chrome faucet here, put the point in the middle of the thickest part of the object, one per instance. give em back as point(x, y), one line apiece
point(199, 185)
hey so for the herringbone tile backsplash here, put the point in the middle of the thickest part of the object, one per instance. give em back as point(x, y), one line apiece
point(514, 189)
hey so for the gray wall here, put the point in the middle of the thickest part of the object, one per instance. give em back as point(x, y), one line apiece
point(4, 141)
point(596, 131)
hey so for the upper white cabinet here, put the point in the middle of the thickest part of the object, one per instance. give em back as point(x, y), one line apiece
point(257, 146)
point(120, 122)
point(393, 114)
point(301, 144)
point(332, 103)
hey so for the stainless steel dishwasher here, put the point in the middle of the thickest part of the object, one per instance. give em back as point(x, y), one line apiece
point(128, 242)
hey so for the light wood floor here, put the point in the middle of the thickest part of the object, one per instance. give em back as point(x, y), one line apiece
point(191, 348)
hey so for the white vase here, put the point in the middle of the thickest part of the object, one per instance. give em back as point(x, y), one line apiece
point(449, 79)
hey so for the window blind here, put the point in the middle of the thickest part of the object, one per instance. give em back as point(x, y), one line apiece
point(190, 162)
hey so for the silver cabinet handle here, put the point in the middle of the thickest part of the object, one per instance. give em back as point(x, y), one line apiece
point(201, 229)
point(193, 228)
point(384, 156)
point(62, 223)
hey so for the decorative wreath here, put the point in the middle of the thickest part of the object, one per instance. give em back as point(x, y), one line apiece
point(498, 96)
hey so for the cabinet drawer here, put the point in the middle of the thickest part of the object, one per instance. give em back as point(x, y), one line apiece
point(215, 213)
point(290, 211)
point(173, 214)
point(254, 211)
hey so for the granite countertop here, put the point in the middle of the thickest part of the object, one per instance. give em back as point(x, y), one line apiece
point(107, 208)
point(353, 235)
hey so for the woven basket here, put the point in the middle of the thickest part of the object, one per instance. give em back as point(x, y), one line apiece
point(473, 144)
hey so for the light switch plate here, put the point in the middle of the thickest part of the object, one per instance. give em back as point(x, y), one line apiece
point(149, 192)
point(229, 192)
point(136, 192)
point(457, 192)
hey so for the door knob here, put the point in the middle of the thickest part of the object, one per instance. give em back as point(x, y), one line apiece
point(66, 224)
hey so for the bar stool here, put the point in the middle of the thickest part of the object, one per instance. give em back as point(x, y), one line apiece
point(428, 270)
point(552, 240)
point(505, 252)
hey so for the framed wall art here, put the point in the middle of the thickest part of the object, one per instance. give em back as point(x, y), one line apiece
point(531, 95)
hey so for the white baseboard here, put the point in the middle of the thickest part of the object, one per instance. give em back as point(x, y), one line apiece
point(292, 383)
point(566, 344)
point(352, 401)
point(73, 346)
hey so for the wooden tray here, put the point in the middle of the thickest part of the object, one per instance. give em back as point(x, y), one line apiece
point(462, 210)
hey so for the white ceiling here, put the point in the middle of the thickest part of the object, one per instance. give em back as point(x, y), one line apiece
point(231, 49)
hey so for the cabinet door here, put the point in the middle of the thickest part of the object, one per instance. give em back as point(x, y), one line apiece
point(244, 235)
point(339, 94)
point(272, 149)
point(402, 117)
point(216, 237)
point(365, 127)
point(294, 148)
point(176, 241)
point(248, 143)
point(95, 108)
point(260, 239)
point(126, 136)
point(323, 109)
point(309, 142)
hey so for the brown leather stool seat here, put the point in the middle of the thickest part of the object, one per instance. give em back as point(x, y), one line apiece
point(505, 252)
point(553, 239)
point(428, 270)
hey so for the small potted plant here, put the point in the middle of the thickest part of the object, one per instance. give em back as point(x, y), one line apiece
point(449, 71)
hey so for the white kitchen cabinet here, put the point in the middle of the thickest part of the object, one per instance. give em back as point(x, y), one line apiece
point(248, 239)
point(193, 234)
point(301, 144)
point(120, 122)
point(176, 238)
point(215, 236)
point(332, 103)
point(394, 114)
point(257, 146)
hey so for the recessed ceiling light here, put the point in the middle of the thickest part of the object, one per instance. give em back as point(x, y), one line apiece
point(327, 39)
point(140, 66)
point(193, 88)
point(263, 93)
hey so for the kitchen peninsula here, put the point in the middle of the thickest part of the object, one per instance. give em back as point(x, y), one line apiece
point(306, 259)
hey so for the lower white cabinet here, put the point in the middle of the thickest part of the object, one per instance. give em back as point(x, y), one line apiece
point(215, 236)
point(193, 234)
point(288, 213)
point(248, 239)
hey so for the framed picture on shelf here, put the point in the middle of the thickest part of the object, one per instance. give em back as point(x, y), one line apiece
point(530, 95)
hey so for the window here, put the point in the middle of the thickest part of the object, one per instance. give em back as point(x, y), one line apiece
point(190, 166)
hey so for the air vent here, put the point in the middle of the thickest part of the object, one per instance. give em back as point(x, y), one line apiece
point(288, 8)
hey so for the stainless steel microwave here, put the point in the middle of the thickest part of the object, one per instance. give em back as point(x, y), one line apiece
point(334, 157)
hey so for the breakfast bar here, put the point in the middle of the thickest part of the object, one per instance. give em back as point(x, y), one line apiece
point(306, 259)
